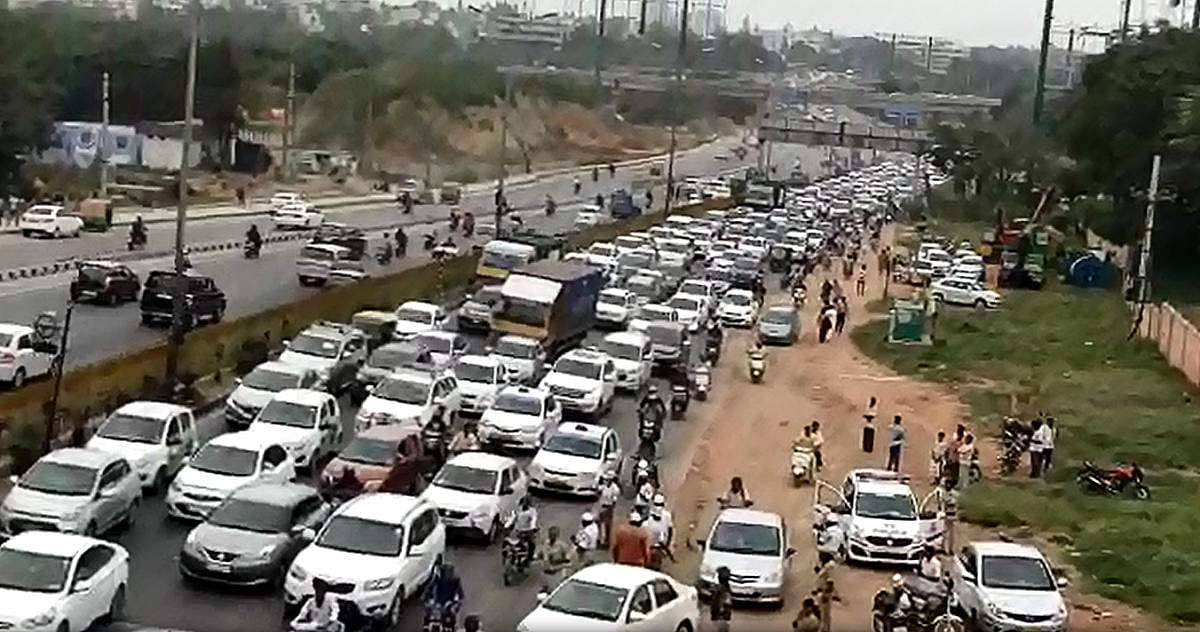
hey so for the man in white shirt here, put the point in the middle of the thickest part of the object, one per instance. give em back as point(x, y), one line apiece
point(319, 613)
point(610, 491)
point(586, 540)
point(1036, 446)
point(1048, 443)
point(662, 529)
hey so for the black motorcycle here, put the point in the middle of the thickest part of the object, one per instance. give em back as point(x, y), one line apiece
point(681, 396)
point(1015, 438)
point(251, 250)
point(918, 605)
point(712, 351)
point(384, 256)
point(430, 241)
point(439, 619)
point(515, 557)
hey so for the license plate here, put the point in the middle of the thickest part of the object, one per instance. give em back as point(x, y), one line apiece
point(219, 567)
point(164, 296)
point(557, 484)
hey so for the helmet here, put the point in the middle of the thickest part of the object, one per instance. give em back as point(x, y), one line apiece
point(897, 580)
point(643, 464)
point(634, 516)
point(660, 500)
point(608, 475)
point(587, 517)
point(653, 390)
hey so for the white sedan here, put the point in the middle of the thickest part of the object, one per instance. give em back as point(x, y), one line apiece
point(50, 220)
point(616, 598)
point(297, 215)
point(964, 292)
point(477, 492)
point(55, 581)
point(693, 310)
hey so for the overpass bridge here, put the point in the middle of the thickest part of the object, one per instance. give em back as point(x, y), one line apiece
point(801, 131)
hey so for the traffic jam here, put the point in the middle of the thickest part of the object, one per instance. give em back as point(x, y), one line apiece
point(353, 471)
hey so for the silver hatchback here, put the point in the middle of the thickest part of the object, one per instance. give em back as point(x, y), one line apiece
point(73, 490)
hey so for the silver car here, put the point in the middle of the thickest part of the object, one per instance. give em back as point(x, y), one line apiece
point(73, 490)
point(753, 545)
point(779, 325)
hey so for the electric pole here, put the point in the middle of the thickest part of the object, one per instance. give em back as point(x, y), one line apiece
point(289, 116)
point(1125, 19)
point(1196, 16)
point(683, 30)
point(1148, 234)
point(502, 154)
point(180, 282)
point(104, 105)
point(1039, 94)
point(602, 17)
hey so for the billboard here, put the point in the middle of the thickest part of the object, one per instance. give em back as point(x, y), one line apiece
point(79, 144)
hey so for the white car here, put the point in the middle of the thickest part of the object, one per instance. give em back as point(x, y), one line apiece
point(964, 292)
point(587, 217)
point(73, 490)
point(260, 385)
point(692, 310)
point(603, 249)
point(584, 381)
point(297, 215)
point(155, 437)
point(444, 346)
point(414, 317)
point(1006, 586)
point(307, 423)
point(520, 417)
point(702, 288)
point(19, 361)
point(480, 379)
point(385, 545)
point(49, 220)
point(753, 545)
point(633, 355)
point(573, 458)
point(410, 396)
point(616, 598)
point(284, 198)
point(56, 582)
point(477, 492)
point(615, 307)
point(523, 358)
point(737, 309)
point(333, 350)
point(878, 518)
point(650, 313)
point(229, 461)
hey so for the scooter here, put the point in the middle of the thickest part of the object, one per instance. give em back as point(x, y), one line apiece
point(643, 471)
point(384, 256)
point(758, 366)
point(137, 242)
point(430, 241)
point(702, 380)
point(680, 398)
point(515, 556)
point(251, 250)
point(802, 465)
point(798, 296)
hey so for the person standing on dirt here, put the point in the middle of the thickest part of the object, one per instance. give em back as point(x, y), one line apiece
point(595, 174)
point(720, 610)
point(895, 445)
point(968, 457)
point(937, 458)
point(818, 440)
point(1036, 446)
point(612, 170)
point(841, 310)
point(609, 492)
point(825, 598)
point(825, 321)
point(950, 464)
point(1051, 433)
point(868, 433)
point(860, 286)
point(807, 620)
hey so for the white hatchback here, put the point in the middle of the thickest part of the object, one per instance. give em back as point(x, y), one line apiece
point(1007, 586)
point(616, 598)
point(520, 417)
point(478, 492)
point(297, 215)
point(633, 354)
point(480, 379)
point(73, 490)
point(414, 317)
point(573, 458)
point(224, 464)
point(55, 582)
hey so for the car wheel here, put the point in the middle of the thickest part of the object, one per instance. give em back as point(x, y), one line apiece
point(159, 486)
point(116, 609)
point(26, 233)
point(684, 626)
point(493, 534)
point(63, 627)
point(980, 304)
point(57, 233)
point(18, 378)
point(130, 515)
point(396, 609)
point(146, 319)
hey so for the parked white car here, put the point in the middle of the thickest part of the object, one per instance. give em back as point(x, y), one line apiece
point(284, 198)
point(260, 385)
point(49, 220)
point(737, 309)
point(520, 417)
point(573, 457)
point(385, 545)
point(615, 307)
point(963, 292)
point(229, 461)
point(480, 379)
point(692, 310)
point(584, 381)
point(307, 423)
point(616, 598)
point(414, 317)
point(73, 490)
point(523, 358)
point(651, 313)
point(633, 355)
point(753, 545)
point(444, 346)
point(1006, 586)
point(155, 437)
point(56, 582)
point(410, 396)
point(19, 361)
point(878, 518)
point(587, 217)
point(478, 493)
point(297, 216)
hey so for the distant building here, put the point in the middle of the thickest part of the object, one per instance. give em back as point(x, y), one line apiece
point(118, 9)
point(934, 54)
point(551, 30)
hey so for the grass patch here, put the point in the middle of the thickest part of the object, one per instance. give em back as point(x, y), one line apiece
point(1063, 350)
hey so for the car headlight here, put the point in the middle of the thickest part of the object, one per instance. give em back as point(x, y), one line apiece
point(297, 573)
point(45, 618)
point(71, 516)
point(773, 576)
point(382, 583)
point(190, 541)
point(176, 487)
point(707, 571)
point(522, 628)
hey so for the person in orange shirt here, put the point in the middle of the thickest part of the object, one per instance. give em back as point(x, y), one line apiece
point(631, 543)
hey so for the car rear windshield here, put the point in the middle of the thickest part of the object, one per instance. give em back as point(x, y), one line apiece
point(224, 460)
point(471, 372)
point(314, 346)
point(94, 274)
point(247, 515)
point(745, 539)
point(778, 316)
point(268, 380)
point(518, 404)
point(573, 446)
point(588, 600)
point(415, 316)
point(124, 427)
point(359, 535)
point(288, 414)
point(1016, 573)
point(402, 390)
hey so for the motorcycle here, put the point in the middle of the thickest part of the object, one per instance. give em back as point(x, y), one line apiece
point(137, 241)
point(430, 241)
point(643, 471)
point(702, 381)
point(758, 366)
point(515, 557)
point(798, 296)
point(250, 250)
point(440, 618)
point(350, 617)
point(1113, 481)
point(433, 436)
point(551, 208)
point(680, 398)
point(384, 256)
point(1015, 439)
point(802, 465)
point(915, 604)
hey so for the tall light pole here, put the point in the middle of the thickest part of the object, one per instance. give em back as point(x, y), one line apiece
point(601, 18)
point(104, 105)
point(501, 168)
point(1039, 94)
point(178, 331)
point(683, 30)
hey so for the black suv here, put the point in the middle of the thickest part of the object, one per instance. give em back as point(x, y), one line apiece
point(105, 282)
point(202, 300)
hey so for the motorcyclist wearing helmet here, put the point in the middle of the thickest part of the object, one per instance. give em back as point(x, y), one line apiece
point(653, 407)
point(320, 613)
point(444, 595)
point(253, 237)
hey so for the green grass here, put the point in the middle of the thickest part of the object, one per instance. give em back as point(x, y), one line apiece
point(1063, 350)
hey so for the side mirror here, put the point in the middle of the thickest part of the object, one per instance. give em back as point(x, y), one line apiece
point(968, 577)
point(13, 478)
point(543, 595)
point(174, 440)
point(107, 492)
point(287, 344)
point(1062, 582)
point(636, 617)
point(81, 586)
point(701, 543)
point(237, 381)
point(506, 491)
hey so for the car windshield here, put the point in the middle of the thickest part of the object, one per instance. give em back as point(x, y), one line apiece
point(314, 345)
point(622, 350)
point(487, 296)
point(1016, 573)
point(514, 349)
point(438, 344)
point(315, 254)
point(288, 414)
point(271, 381)
point(578, 368)
point(246, 515)
point(518, 403)
point(745, 539)
point(360, 535)
point(224, 460)
point(680, 247)
point(655, 312)
point(503, 260)
point(474, 372)
point(635, 260)
point(612, 299)
point(745, 264)
point(741, 300)
point(393, 357)
point(34, 572)
point(405, 391)
point(415, 316)
point(59, 478)
point(693, 288)
point(685, 303)
point(664, 335)
point(370, 451)
point(5, 340)
point(585, 599)
point(778, 316)
point(604, 250)
point(886, 506)
point(467, 479)
point(125, 427)
point(573, 445)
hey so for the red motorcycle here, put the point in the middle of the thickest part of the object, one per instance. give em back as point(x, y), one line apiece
point(1113, 481)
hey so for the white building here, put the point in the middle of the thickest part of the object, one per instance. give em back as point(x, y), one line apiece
point(120, 9)
point(552, 29)
point(934, 54)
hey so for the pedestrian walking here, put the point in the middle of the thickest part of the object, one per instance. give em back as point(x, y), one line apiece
point(818, 440)
point(825, 598)
point(868, 432)
point(968, 456)
point(825, 322)
point(586, 540)
point(950, 467)
point(860, 286)
point(1051, 434)
point(610, 491)
point(841, 309)
point(631, 543)
point(6, 208)
point(720, 609)
point(946, 500)
point(807, 620)
point(1036, 446)
point(895, 445)
point(937, 458)
point(555, 554)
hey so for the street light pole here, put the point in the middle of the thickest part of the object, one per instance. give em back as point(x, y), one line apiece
point(59, 365)
point(180, 283)
point(601, 17)
point(1039, 95)
point(683, 30)
point(104, 105)
point(502, 153)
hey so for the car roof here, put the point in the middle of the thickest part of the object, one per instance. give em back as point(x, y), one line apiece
point(421, 305)
point(244, 439)
point(586, 355)
point(481, 360)
point(381, 507)
point(52, 543)
point(482, 460)
point(519, 339)
point(101, 263)
point(282, 367)
point(628, 337)
point(279, 494)
point(87, 457)
point(305, 396)
point(13, 329)
point(328, 247)
point(750, 516)
point(152, 410)
point(615, 291)
point(739, 292)
point(439, 333)
point(581, 429)
point(521, 389)
point(617, 575)
point(388, 432)
point(1007, 549)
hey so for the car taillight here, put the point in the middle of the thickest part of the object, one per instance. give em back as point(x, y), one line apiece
point(6, 357)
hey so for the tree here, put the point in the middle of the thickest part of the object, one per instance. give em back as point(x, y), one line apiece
point(26, 101)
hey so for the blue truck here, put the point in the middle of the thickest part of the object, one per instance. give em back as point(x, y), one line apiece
point(621, 205)
point(553, 302)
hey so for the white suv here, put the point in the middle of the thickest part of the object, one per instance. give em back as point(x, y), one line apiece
point(584, 381)
point(478, 492)
point(1005, 586)
point(307, 423)
point(480, 378)
point(573, 458)
point(878, 518)
point(520, 417)
point(615, 307)
point(156, 438)
point(963, 292)
point(633, 355)
point(410, 396)
point(385, 545)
